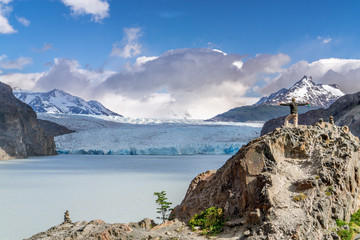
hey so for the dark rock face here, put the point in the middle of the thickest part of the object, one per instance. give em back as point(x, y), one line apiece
point(21, 134)
point(346, 111)
point(54, 129)
point(292, 183)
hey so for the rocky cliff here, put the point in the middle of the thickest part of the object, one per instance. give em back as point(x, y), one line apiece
point(21, 134)
point(292, 183)
point(346, 111)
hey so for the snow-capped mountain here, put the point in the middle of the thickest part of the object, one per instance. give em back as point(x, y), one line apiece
point(305, 90)
point(58, 101)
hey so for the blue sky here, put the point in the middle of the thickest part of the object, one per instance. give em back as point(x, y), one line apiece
point(157, 59)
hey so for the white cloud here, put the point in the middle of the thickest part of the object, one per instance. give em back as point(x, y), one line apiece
point(196, 82)
point(183, 82)
point(5, 10)
point(238, 64)
point(217, 50)
point(144, 59)
point(129, 46)
point(324, 40)
point(14, 64)
point(26, 81)
point(98, 9)
point(201, 82)
point(5, 1)
point(46, 47)
point(343, 72)
point(64, 74)
point(23, 21)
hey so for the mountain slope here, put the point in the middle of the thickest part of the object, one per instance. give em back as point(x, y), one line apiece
point(58, 101)
point(261, 112)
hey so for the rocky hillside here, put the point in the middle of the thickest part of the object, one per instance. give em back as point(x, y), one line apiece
point(21, 135)
point(292, 183)
point(346, 111)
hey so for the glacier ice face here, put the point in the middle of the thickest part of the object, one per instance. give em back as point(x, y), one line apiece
point(116, 136)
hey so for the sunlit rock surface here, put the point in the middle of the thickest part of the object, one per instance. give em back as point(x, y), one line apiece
point(292, 183)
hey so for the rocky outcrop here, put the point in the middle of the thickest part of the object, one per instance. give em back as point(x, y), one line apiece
point(346, 111)
point(99, 230)
point(292, 183)
point(21, 134)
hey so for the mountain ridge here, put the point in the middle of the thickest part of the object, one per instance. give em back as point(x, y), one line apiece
point(305, 90)
point(61, 102)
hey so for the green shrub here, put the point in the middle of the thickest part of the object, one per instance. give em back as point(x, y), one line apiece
point(210, 221)
point(355, 218)
point(353, 227)
point(345, 234)
point(340, 223)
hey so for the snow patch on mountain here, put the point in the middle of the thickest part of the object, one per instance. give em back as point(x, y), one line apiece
point(305, 90)
point(58, 101)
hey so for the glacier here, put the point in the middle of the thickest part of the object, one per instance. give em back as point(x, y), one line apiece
point(113, 135)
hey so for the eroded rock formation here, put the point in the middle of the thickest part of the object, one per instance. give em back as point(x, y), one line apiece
point(21, 134)
point(292, 183)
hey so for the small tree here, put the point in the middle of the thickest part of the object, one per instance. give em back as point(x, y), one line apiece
point(164, 206)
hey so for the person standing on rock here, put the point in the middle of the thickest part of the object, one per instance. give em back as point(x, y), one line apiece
point(293, 111)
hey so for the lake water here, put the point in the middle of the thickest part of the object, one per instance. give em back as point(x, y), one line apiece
point(35, 192)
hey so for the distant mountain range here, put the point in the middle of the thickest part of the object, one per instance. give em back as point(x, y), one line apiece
point(305, 90)
point(61, 102)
